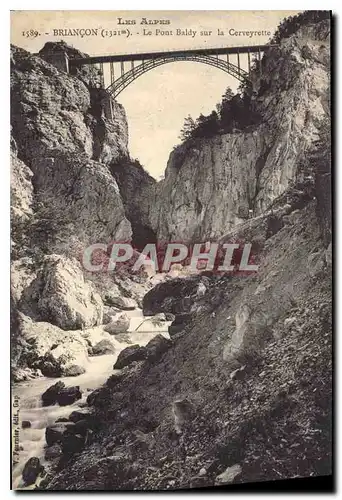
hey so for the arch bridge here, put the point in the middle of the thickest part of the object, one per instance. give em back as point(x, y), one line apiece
point(227, 59)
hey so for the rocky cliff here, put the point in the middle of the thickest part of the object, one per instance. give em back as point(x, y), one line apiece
point(64, 138)
point(63, 198)
point(211, 184)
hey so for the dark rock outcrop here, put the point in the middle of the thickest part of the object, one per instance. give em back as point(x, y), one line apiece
point(173, 296)
point(54, 433)
point(60, 394)
point(156, 347)
point(129, 355)
point(49, 397)
point(68, 396)
point(31, 471)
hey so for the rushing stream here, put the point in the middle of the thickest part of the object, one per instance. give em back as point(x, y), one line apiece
point(32, 439)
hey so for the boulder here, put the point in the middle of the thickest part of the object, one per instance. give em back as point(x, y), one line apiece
point(54, 433)
point(52, 452)
point(157, 346)
point(73, 371)
point(31, 470)
point(119, 325)
point(103, 347)
point(52, 350)
point(174, 329)
point(109, 313)
point(25, 424)
point(49, 397)
point(173, 296)
point(123, 303)
point(228, 475)
point(65, 298)
point(130, 354)
point(68, 396)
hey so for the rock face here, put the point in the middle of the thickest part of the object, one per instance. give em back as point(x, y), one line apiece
point(62, 134)
point(137, 190)
point(253, 166)
point(50, 349)
point(62, 141)
point(21, 190)
point(173, 296)
point(66, 299)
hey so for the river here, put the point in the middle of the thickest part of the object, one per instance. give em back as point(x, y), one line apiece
point(32, 439)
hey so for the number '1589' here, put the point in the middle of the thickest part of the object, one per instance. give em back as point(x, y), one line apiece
point(30, 33)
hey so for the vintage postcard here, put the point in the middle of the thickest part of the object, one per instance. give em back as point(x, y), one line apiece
point(171, 256)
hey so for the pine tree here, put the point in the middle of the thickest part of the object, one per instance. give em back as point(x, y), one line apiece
point(188, 129)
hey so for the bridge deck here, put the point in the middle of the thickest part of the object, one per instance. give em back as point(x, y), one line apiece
point(174, 53)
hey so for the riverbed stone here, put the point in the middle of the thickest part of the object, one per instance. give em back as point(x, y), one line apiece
point(68, 395)
point(73, 371)
point(118, 325)
point(81, 427)
point(103, 347)
point(54, 433)
point(49, 397)
point(31, 470)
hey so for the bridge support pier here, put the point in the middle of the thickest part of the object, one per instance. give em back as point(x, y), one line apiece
point(58, 58)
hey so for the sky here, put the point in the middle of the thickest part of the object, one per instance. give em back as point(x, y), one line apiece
point(159, 100)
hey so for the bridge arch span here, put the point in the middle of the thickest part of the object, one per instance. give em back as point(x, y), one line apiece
point(135, 72)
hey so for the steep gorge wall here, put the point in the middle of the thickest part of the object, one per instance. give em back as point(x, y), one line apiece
point(212, 183)
point(63, 198)
point(61, 134)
